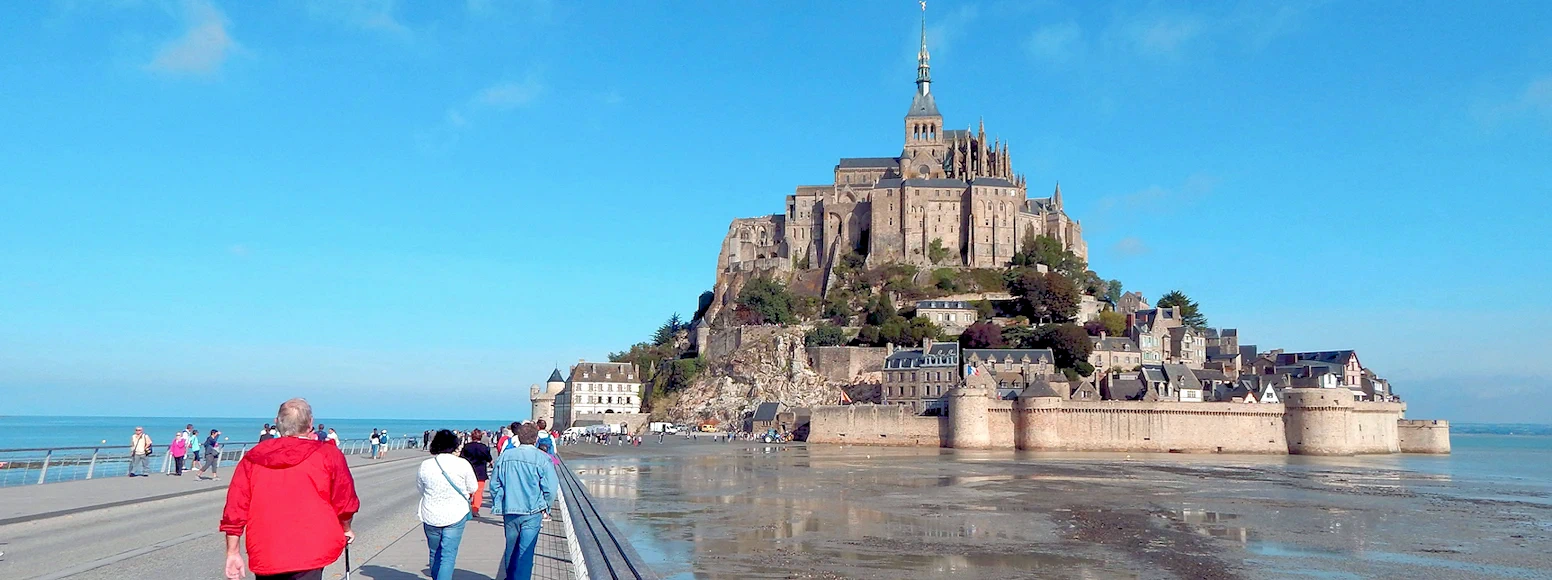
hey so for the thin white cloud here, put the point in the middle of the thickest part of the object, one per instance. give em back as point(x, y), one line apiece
point(1131, 247)
point(373, 15)
point(1056, 42)
point(502, 96)
point(508, 95)
point(202, 48)
point(1533, 102)
point(1162, 36)
point(1156, 197)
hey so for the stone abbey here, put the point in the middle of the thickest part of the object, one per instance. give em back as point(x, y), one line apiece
point(951, 194)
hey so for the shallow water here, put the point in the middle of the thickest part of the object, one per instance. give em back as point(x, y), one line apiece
point(734, 511)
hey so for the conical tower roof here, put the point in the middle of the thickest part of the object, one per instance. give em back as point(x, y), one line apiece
point(555, 377)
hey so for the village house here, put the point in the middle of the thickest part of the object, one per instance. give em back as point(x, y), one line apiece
point(1114, 352)
point(1186, 346)
point(1014, 369)
point(953, 316)
point(920, 378)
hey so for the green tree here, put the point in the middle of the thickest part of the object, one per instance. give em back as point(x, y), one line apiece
point(1020, 336)
point(984, 310)
point(765, 301)
point(1113, 323)
point(1070, 344)
point(946, 279)
point(982, 335)
point(936, 252)
point(1190, 312)
point(1046, 297)
point(825, 335)
point(880, 310)
point(665, 333)
point(1113, 291)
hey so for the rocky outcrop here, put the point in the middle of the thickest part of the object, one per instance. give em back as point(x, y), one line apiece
point(766, 366)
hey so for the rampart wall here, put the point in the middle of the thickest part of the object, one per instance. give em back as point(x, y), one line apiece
point(886, 425)
point(1310, 422)
point(1423, 436)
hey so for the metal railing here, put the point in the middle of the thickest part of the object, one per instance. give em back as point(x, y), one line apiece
point(599, 549)
point(57, 464)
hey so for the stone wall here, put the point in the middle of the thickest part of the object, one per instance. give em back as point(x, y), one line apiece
point(1313, 421)
point(886, 425)
point(636, 422)
point(721, 342)
point(844, 363)
point(1160, 427)
point(1416, 436)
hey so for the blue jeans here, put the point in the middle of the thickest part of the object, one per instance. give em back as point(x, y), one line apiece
point(443, 543)
point(522, 537)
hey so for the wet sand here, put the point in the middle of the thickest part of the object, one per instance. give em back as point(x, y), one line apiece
point(726, 511)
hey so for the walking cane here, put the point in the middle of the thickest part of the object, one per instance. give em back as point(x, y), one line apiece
point(347, 561)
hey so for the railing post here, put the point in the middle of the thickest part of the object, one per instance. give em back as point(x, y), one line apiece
point(91, 467)
point(44, 473)
point(167, 462)
point(241, 451)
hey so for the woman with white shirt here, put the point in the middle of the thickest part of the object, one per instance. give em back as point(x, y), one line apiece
point(445, 482)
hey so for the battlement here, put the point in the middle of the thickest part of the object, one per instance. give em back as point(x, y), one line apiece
point(1310, 422)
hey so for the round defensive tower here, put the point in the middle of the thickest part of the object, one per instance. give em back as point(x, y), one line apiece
point(969, 407)
point(1036, 428)
point(1318, 421)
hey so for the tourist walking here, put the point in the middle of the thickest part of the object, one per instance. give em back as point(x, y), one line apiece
point(522, 489)
point(139, 451)
point(478, 456)
point(445, 482)
point(178, 449)
point(333, 437)
point(376, 441)
point(294, 498)
point(266, 433)
point(212, 450)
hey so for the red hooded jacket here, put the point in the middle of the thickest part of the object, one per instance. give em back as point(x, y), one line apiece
point(290, 496)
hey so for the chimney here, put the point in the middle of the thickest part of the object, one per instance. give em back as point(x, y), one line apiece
point(926, 344)
point(1102, 335)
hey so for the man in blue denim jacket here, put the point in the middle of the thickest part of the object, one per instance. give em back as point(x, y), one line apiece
point(522, 486)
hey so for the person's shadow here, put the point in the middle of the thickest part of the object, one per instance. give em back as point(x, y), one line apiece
point(381, 573)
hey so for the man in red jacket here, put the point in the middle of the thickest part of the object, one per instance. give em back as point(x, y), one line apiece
point(294, 497)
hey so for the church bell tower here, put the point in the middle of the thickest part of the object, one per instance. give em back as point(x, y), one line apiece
point(923, 155)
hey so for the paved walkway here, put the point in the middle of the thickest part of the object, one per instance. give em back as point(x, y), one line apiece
point(165, 527)
point(479, 555)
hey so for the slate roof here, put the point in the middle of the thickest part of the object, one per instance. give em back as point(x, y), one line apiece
point(555, 377)
point(1036, 355)
point(992, 182)
point(605, 372)
point(1113, 344)
point(1154, 374)
point(888, 183)
point(950, 183)
point(1181, 376)
point(952, 134)
point(869, 162)
point(1337, 357)
point(1126, 388)
point(923, 106)
point(941, 355)
point(944, 304)
point(1040, 387)
point(767, 411)
point(1210, 375)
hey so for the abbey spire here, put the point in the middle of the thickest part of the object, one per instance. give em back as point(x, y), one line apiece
point(923, 68)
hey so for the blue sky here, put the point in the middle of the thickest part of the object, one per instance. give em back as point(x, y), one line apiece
point(416, 209)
